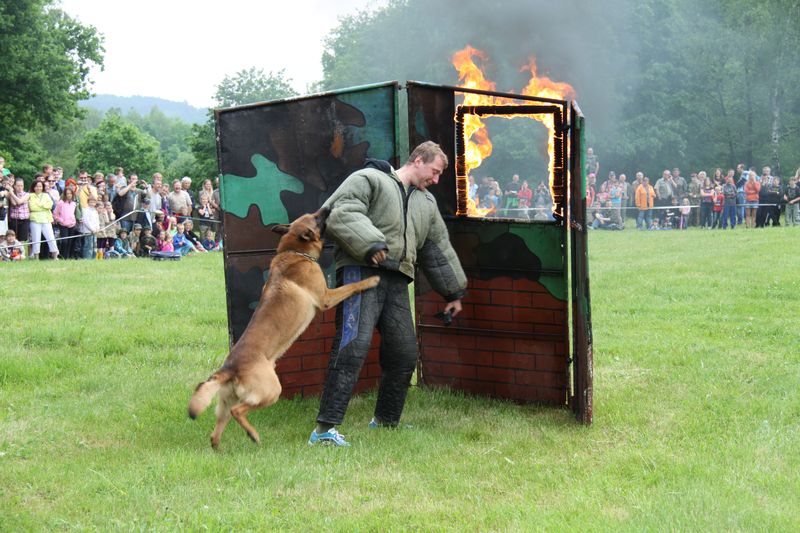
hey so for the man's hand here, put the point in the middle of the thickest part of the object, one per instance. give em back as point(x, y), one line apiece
point(379, 257)
point(453, 307)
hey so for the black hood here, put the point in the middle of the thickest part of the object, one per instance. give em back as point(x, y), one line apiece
point(380, 164)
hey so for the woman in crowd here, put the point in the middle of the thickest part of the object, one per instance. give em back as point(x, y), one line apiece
point(66, 215)
point(751, 190)
point(718, 178)
point(41, 220)
point(525, 196)
point(19, 215)
point(706, 200)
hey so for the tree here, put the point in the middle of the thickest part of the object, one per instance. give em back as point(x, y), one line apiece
point(245, 87)
point(46, 61)
point(117, 143)
point(252, 85)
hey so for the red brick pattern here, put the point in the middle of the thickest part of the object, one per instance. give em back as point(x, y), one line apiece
point(510, 341)
point(302, 369)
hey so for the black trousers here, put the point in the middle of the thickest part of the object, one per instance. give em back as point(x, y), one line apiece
point(387, 307)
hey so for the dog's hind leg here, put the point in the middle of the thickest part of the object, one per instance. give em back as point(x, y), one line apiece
point(266, 392)
point(226, 399)
point(239, 412)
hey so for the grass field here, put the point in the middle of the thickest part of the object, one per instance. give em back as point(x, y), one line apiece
point(697, 409)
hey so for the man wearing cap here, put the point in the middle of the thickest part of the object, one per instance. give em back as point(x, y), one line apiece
point(147, 217)
point(133, 238)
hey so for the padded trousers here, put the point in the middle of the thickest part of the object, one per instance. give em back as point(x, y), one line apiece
point(386, 307)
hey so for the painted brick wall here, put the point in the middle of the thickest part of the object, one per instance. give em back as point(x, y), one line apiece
point(508, 342)
point(302, 369)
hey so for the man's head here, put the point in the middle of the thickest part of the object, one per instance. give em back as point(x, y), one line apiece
point(515, 178)
point(639, 176)
point(765, 171)
point(176, 186)
point(157, 178)
point(676, 172)
point(666, 174)
point(425, 165)
point(186, 182)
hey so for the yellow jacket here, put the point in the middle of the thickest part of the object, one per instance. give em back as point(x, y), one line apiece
point(40, 206)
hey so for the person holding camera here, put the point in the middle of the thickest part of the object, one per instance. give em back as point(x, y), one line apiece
point(129, 199)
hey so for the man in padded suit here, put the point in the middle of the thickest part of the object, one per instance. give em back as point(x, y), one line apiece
point(384, 222)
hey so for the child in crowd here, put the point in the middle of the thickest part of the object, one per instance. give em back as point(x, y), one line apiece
point(192, 237)
point(103, 220)
point(172, 227)
point(163, 242)
point(134, 237)
point(205, 212)
point(147, 243)
point(179, 242)
point(686, 210)
point(208, 241)
point(122, 247)
point(11, 249)
point(90, 224)
point(719, 203)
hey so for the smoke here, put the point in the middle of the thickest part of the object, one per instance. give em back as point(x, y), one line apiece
point(576, 41)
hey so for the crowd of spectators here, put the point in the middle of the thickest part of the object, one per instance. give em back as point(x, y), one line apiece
point(105, 216)
point(724, 200)
point(515, 199)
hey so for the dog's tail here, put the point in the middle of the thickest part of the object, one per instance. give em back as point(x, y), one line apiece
point(206, 390)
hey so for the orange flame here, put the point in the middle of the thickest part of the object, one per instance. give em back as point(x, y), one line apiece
point(477, 145)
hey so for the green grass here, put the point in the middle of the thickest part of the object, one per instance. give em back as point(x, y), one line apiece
point(697, 409)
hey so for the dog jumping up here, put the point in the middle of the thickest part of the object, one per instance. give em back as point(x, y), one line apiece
point(293, 294)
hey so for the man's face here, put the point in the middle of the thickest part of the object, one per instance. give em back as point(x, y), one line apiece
point(515, 178)
point(666, 174)
point(676, 172)
point(185, 184)
point(427, 174)
point(176, 186)
point(765, 171)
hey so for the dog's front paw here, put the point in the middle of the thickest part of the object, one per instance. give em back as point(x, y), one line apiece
point(372, 281)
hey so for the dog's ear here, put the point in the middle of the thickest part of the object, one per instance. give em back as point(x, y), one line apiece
point(281, 229)
point(307, 235)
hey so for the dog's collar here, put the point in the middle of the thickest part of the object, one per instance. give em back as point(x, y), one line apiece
point(310, 258)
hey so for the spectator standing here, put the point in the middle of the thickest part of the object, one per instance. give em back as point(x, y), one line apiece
point(645, 196)
point(592, 165)
point(66, 215)
point(180, 203)
point(525, 196)
point(706, 201)
point(626, 195)
point(186, 185)
point(664, 192)
point(679, 185)
point(90, 225)
point(792, 198)
point(121, 181)
point(206, 212)
point(85, 189)
point(40, 205)
point(5, 202)
point(146, 217)
point(19, 215)
point(729, 205)
point(740, 195)
point(686, 211)
point(695, 184)
point(129, 199)
point(719, 205)
point(752, 189)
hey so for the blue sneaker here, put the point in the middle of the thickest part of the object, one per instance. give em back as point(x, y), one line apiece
point(331, 437)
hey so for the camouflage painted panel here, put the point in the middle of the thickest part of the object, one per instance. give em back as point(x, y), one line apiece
point(245, 276)
point(284, 159)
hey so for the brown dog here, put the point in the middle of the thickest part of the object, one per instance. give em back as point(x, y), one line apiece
point(293, 294)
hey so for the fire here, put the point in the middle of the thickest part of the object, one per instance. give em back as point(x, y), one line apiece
point(477, 144)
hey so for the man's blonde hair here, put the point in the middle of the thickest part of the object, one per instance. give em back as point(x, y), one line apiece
point(428, 151)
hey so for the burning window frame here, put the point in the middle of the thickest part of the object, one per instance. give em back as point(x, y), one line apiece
point(528, 106)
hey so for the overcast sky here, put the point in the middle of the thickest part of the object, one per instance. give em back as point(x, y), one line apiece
point(181, 49)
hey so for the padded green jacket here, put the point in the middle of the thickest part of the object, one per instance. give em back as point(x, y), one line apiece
point(372, 211)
